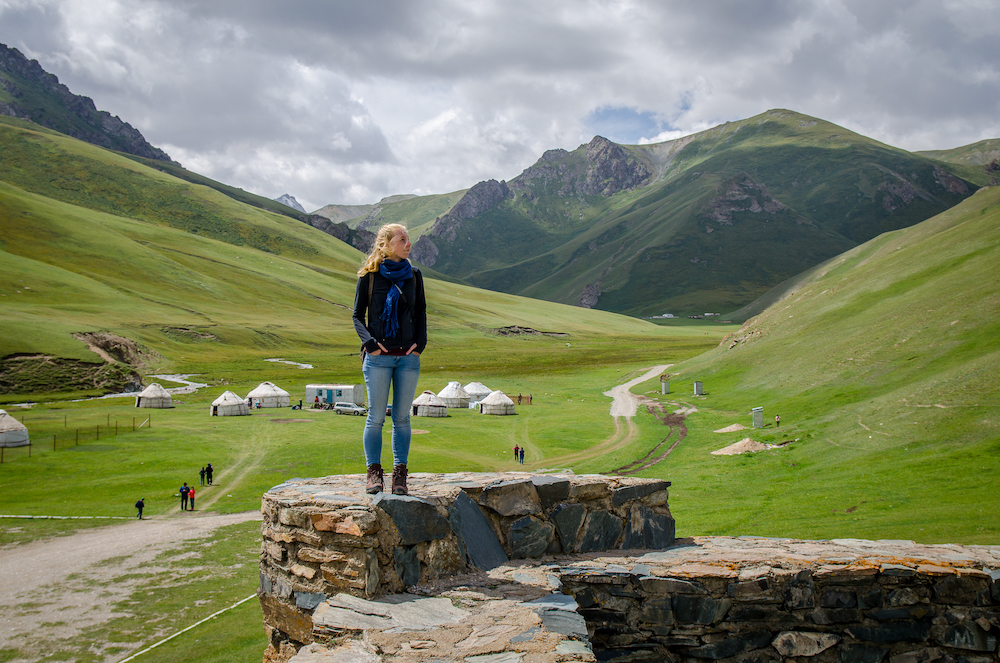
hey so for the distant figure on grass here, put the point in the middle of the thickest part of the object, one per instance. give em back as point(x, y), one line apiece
point(777, 421)
point(520, 456)
point(516, 456)
point(201, 474)
point(191, 498)
point(208, 473)
point(184, 496)
point(140, 505)
point(390, 317)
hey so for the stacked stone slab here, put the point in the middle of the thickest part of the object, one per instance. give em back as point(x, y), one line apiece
point(752, 599)
point(324, 537)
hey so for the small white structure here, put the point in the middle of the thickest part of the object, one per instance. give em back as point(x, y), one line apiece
point(334, 393)
point(454, 395)
point(268, 394)
point(496, 403)
point(12, 432)
point(154, 396)
point(229, 405)
point(477, 391)
point(428, 404)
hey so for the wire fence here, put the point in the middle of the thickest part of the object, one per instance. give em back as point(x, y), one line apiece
point(47, 437)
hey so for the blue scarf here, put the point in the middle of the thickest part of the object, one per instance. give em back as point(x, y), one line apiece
point(396, 272)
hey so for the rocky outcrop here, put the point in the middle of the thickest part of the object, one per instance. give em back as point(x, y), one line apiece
point(424, 251)
point(611, 169)
point(63, 111)
point(740, 194)
point(482, 197)
point(604, 170)
point(360, 239)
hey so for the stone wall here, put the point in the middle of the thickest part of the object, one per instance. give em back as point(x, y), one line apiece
point(582, 568)
point(753, 599)
point(323, 537)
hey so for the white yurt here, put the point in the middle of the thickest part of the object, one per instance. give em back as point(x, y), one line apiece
point(477, 391)
point(496, 403)
point(12, 432)
point(428, 404)
point(229, 405)
point(454, 396)
point(268, 394)
point(154, 396)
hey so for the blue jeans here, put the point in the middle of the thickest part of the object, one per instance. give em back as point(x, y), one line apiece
point(380, 373)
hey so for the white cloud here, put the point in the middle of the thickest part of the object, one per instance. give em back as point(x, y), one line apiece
point(349, 102)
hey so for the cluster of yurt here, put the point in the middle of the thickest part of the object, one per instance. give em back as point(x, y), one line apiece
point(477, 391)
point(268, 394)
point(154, 396)
point(454, 395)
point(229, 405)
point(428, 404)
point(12, 432)
point(496, 403)
point(474, 395)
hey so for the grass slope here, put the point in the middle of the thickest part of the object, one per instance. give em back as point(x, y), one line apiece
point(882, 365)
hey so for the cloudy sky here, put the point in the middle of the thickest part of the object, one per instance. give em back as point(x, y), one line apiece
point(347, 101)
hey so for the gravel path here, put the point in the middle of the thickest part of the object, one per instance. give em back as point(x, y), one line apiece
point(625, 403)
point(64, 582)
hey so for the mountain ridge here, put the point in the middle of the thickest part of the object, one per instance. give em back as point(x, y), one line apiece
point(29, 92)
point(647, 229)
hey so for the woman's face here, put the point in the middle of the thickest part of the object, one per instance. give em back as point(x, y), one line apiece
point(399, 247)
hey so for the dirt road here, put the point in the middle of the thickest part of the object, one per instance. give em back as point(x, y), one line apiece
point(65, 582)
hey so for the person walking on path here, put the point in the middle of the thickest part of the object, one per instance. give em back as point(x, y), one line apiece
point(191, 498)
point(184, 496)
point(208, 473)
point(201, 474)
point(390, 317)
point(140, 505)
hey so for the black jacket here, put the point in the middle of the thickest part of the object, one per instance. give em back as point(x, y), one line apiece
point(411, 309)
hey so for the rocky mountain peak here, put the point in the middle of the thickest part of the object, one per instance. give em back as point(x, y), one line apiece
point(611, 169)
point(289, 201)
point(53, 105)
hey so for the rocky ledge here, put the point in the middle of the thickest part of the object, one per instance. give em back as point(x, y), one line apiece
point(433, 577)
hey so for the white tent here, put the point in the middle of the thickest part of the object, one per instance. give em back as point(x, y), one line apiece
point(229, 405)
point(154, 396)
point(496, 403)
point(477, 391)
point(428, 404)
point(454, 396)
point(12, 432)
point(268, 394)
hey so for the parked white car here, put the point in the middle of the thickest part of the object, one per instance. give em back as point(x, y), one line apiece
point(350, 408)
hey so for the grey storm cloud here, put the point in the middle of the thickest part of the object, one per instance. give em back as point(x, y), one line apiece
point(346, 102)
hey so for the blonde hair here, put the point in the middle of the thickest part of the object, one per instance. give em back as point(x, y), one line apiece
point(380, 251)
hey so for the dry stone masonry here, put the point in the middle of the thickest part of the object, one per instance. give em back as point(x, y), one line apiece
point(520, 567)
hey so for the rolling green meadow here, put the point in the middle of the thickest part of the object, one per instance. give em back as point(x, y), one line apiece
point(882, 363)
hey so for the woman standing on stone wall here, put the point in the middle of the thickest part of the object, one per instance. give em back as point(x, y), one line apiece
point(390, 292)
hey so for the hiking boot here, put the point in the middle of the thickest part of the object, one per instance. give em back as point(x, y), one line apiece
point(399, 480)
point(374, 479)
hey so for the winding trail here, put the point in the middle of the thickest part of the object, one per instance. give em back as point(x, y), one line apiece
point(624, 405)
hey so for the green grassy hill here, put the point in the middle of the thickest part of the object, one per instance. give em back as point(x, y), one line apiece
point(93, 241)
point(882, 363)
point(723, 216)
